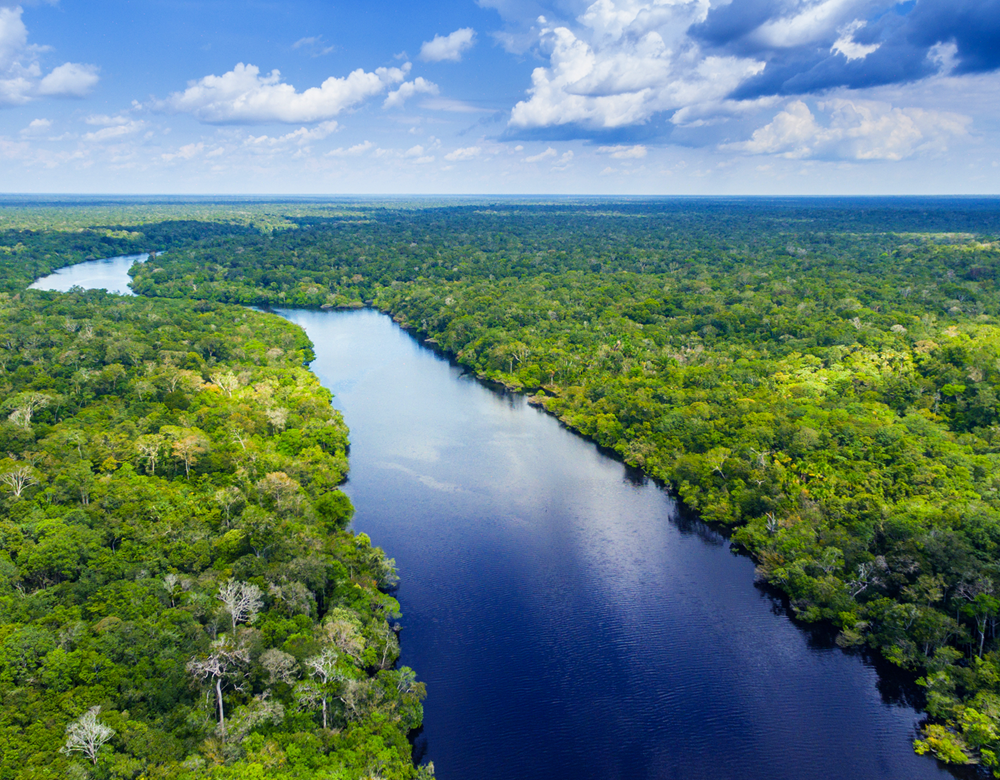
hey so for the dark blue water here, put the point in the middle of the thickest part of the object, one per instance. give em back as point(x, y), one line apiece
point(568, 621)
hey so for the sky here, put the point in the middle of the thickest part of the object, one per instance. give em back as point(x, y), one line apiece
point(616, 97)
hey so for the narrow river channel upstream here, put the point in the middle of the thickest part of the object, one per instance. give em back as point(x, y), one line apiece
point(568, 620)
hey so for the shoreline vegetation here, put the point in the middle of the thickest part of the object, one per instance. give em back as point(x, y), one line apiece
point(820, 376)
point(179, 595)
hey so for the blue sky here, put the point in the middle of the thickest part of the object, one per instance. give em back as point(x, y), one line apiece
point(501, 96)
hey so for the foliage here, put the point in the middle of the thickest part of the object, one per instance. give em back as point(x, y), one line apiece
point(174, 556)
point(822, 376)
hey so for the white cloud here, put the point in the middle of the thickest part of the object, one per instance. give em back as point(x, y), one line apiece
point(468, 153)
point(115, 131)
point(847, 46)
point(621, 152)
point(408, 89)
point(812, 21)
point(301, 136)
point(314, 46)
point(550, 152)
point(36, 127)
point(856, 130)
point(945, 56)
point(563, 162)
point(627, 62)
point(448, 47)
point(243, 96)
point(353, 151)
point(187, 152)
point(21, 79)
point(103, 120)
point(69, 80)
point(13, 38)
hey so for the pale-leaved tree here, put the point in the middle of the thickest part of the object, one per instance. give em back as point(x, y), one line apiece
point(223, 667)
point(87, 735)
point(241, 600)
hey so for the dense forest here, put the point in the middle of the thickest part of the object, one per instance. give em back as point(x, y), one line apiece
point(820, 376)
point(179, 597)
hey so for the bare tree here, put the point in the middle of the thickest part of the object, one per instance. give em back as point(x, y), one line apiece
point(174, 585)
point(259, 710)
point(390, 650)
point(280, 666)
point(866, 576)
point(240, 436)
point(19, 478)
point(86, 735)
point(222, 667)
point(344, 631)
point(227, 498)
point(324, 671)
point(241, 600)
point(170, 583)
point(294, 597)
point(149, 448)
point(277, 417)
point(282, 490)
point(25, 405)
point(227, 381)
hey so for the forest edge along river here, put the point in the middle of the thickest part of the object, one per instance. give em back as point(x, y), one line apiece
point(568, 619)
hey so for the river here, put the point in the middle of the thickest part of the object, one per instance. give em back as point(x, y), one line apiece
point(568, 619)
point(110, 274)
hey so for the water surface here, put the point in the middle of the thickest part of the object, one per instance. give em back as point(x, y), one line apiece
point(110, 274)
point(568, 621)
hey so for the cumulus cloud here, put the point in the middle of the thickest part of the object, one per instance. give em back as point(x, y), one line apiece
point(628, 64)
point(21, 79)
point(855, 130)
point(850, 48)
point(244, 96)
point(806, 22)
point(408, 89)
point(811, 46)
point(69, 80)
point(468, 153)
point(448, 48)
